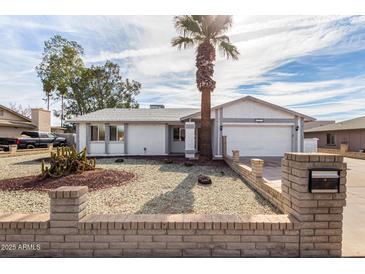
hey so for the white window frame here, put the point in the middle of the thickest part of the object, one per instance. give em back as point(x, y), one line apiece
point(98, 126)
point(116, 125)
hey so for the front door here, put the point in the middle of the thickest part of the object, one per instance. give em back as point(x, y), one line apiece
point(177, 139)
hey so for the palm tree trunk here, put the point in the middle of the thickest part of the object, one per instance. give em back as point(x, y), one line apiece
point(206, 84)
point(205, 138)
point(48, 97)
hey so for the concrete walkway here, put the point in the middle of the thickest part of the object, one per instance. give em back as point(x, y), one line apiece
point(354, 212)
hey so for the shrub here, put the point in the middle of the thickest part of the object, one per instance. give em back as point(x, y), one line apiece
point(67, 161)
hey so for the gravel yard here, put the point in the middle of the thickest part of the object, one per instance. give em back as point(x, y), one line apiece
point(157, 188)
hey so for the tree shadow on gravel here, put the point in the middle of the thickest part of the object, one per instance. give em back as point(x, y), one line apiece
point(179, 200)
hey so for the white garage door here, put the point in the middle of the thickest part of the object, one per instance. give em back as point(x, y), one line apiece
point(258, 140)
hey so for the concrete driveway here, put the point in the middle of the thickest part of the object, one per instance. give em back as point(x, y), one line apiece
point(354, 212)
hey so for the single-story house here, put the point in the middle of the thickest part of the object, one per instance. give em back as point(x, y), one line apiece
point(13, 123)
point(253, 126)
point(317, 123)
point(351, 132)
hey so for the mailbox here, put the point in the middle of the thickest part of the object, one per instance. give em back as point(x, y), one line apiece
point(324, 180)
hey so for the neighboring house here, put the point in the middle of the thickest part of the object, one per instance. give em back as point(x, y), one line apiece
point(253, 126)
point(13, 123)
point(351, 132)
point(317, 123)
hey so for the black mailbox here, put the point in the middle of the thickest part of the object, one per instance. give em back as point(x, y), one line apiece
point(324, 180)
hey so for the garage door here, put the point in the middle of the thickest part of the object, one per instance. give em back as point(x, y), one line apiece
point(258, 140)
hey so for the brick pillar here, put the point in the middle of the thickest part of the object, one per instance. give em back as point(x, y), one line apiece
point(236, 156)
point(319, 214)
point(13, 149)
point(344, 148)
point(68, 206)
point(257, 166)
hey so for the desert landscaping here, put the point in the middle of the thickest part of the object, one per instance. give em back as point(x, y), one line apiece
point(152, 186)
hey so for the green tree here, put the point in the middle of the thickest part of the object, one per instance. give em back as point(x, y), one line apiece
point(206, 32)
point(81, 89)
point(109, 90)
point(100, 87)
point(61, 63)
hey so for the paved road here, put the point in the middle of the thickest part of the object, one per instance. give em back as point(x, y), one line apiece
point(354, 212)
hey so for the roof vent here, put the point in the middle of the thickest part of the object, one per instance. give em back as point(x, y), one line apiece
point(156, 106)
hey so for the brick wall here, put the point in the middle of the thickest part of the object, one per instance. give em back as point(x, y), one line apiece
point(254, 177)
point(13, 151)
point(320, 214)
point(311, 227)
point(342, 152)
point(68, 232)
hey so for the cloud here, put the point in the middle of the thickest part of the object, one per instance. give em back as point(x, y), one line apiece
point(141, 45)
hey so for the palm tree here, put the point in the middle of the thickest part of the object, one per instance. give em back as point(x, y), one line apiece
point(206, 32)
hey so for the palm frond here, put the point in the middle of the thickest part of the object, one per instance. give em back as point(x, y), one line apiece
point(221, 38)
point(207, 27)
point(197, 18)
point(228, 50)
point(221, 24)
point(187, 26)
point(182, 42)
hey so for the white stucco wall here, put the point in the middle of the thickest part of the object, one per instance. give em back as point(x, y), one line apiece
point(97, 148)
point(249, 109)
point(116, 148)
point(149, 136)
point(310, 144)
point(81, 138)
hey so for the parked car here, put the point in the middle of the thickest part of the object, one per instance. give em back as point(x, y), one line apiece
point(33, 139)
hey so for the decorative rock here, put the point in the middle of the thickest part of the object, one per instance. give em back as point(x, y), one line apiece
point(204, 180)
point(188, 163)
point(120, 160)
point(167, 161)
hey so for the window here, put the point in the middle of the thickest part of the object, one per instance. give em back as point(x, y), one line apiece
point(178, 134)
point(116, 133)
point(51, 135)
point(1, 112)
point(97, 132)
point(331, 139)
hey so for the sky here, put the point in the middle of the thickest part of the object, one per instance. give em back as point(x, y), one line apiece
point(311, 64)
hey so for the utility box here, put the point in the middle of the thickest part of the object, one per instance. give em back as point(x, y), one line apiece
point(324, 180)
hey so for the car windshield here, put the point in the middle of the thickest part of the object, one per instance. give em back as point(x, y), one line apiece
point(51, 135)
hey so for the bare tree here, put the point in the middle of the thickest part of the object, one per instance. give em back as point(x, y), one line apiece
point(26, 111)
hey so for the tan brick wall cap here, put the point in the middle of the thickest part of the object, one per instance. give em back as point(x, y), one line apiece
point(66, 192)
point(19, 220)
point(188, 221)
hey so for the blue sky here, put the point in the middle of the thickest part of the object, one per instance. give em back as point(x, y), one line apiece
point(312, 64)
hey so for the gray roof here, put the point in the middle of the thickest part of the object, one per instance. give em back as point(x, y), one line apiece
point(135, 115)
point(318, 123)
point(357, 123)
